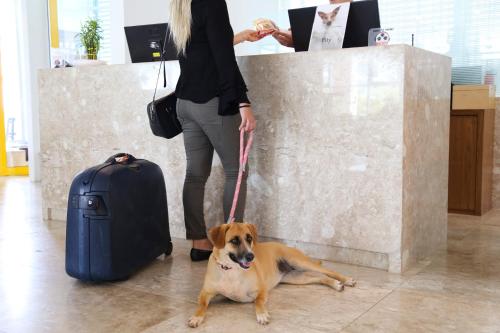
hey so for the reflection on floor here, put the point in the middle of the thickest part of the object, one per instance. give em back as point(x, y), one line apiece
point(458, 290)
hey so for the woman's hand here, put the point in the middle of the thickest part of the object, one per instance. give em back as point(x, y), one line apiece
point(248, 121)
point(284, 38)
point(247, 36)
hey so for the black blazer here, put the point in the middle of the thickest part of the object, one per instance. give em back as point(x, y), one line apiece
point(209, 68)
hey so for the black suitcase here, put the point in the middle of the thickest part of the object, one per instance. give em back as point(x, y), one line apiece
point(117, 219)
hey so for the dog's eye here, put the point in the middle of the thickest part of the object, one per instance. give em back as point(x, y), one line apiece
point(235, 241)
point(249, 239)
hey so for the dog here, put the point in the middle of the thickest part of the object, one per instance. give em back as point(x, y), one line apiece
point(244, 270)
point(326, 34)
point(328, 18)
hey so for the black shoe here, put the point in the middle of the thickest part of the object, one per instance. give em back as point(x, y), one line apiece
point(200, 255)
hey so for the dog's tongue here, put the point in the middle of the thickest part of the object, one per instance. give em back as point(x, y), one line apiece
point(245, 264)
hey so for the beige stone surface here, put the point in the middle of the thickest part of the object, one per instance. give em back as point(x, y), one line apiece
point(457, 290)
point(348, 159)
point(425, 162)
point(496, 164)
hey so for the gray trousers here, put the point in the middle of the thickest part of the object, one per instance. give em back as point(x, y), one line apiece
point(204, 130)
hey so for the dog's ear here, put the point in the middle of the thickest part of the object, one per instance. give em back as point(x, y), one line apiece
point(336, 11)
point(322, 15)
point(253, 232)
point(217, 235)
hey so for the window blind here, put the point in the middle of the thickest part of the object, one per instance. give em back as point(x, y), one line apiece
point(467, 31)
point(103, 11)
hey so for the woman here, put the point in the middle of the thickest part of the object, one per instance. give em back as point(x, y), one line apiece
point(212, 107)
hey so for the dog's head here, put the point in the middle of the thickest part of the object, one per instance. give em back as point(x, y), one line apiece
point(236, 240)
point(328, 18)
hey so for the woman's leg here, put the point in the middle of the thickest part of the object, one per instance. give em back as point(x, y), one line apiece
point(199, 154)
point(225, 138)
point(228, 150)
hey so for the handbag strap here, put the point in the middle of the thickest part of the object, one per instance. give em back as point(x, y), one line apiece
point(162, 63)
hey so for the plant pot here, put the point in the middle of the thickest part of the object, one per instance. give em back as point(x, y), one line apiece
point(91, 55)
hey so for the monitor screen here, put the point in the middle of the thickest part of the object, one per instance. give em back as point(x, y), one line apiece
point(363, 16)
point(145, 43)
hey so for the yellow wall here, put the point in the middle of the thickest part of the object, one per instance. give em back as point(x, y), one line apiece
point(54, 24)
point(4, 171)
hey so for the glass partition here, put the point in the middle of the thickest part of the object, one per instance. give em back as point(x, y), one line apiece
point(13, 109)
point(67, 16)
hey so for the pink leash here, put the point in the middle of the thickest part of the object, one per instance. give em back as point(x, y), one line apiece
point(244, 151)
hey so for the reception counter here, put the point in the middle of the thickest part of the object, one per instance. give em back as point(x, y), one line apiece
point(350, 161)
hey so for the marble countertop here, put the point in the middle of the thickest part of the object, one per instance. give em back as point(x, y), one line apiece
point(347, 162)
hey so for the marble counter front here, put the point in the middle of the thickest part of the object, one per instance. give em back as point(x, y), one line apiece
point(496, 161)
point(349, 163)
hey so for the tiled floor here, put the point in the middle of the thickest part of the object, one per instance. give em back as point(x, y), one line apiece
point(458, 290)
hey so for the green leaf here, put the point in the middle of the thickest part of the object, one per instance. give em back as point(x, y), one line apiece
point(91, 35)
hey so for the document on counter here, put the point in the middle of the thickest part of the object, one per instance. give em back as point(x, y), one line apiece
point(329, 27)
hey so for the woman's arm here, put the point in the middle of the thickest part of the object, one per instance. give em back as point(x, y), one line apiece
point(221, 38)
point(284, 37)
point(247, 36)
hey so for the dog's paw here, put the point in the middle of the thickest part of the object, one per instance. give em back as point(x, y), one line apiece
point(195, 321)
point(337, 285)
point(350, 282)
point(263, 318)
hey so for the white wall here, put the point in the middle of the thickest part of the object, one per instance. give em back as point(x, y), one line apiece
point(145, 11)
point(242, 14)
point(119, 51)
point(36, 55)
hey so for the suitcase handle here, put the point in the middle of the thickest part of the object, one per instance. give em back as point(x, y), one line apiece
point(129, 159)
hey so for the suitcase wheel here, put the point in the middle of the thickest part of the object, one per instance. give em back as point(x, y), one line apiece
point(169, 249)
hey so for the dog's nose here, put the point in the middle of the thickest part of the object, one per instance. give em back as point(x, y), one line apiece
point(249, 257)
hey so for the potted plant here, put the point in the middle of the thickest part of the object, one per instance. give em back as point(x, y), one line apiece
point(90, 38)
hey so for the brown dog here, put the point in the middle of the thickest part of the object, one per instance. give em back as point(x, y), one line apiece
point(245, 271)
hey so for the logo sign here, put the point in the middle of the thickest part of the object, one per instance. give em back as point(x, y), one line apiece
point(379, 36)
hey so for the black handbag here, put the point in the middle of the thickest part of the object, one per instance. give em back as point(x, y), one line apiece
point(162, 112)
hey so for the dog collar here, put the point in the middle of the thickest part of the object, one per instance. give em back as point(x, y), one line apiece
point(224, 267)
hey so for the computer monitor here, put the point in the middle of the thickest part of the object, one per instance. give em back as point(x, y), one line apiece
point(363, 16)
point(145, 43)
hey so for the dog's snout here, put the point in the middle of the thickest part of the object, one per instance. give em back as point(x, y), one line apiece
point(249, 256)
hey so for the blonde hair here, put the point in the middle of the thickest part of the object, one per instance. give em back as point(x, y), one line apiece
point(180, 23)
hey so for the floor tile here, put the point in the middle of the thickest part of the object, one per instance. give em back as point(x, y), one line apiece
point(414, 311)
point(42, 301)
point(456, 290)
